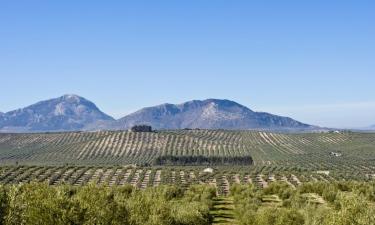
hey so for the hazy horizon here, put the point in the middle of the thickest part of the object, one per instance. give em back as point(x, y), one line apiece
point(312, 61)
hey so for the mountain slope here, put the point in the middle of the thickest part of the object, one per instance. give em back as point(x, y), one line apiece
point(207, 114)
point(66, 113)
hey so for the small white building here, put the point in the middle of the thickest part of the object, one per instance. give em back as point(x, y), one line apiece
point(208, 170)
point(336, 154)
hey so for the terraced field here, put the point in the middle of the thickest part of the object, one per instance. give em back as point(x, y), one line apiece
point(310, 151)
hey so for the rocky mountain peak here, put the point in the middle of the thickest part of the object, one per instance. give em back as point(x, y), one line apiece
point(72, 98)
point(68, 112)
point(206, 114)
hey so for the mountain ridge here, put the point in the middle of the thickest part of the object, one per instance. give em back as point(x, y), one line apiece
point(207, 114)
point(74, 113)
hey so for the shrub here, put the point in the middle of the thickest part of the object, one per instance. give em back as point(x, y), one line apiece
point(193, 213)
point(39, 203)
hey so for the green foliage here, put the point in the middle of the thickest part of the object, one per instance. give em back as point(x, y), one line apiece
point(202, 160)
point(329, 194)
point(337, 203)
point(100, 205)
point(283, 190)
point(190, 214)
point(39, 203)
point(3, 203)
point(351, 210)
point(278, 216)
point(200, 193)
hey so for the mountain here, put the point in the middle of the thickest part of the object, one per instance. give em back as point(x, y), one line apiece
point(74, 113)
point(66, 113)
point(207, 114)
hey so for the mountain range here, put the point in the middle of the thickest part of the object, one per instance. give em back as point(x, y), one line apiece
point(74, 113)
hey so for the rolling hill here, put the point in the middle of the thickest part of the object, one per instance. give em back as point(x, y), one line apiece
point(124, 157)
point(125, 147)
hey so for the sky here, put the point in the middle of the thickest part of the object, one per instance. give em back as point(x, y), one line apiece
point(310, 60)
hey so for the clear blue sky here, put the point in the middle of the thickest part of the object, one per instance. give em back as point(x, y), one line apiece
point(311, 60)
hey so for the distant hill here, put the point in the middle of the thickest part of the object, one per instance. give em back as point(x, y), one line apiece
point(369, 128)
point(75, 113)
point(66, 113)
point(208, 114)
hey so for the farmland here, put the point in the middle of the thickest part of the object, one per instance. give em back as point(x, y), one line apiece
point(258, 177)
point(311, 151)
point(122, 157)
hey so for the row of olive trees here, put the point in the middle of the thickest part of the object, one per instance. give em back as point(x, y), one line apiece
point(342, 203)
point(38, 203)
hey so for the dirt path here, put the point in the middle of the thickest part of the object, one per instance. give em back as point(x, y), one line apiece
point(223, 211)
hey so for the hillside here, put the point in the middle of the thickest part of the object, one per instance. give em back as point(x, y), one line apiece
point(108, 157)
point(208, 114)
point(66, 113)
point(123, 147)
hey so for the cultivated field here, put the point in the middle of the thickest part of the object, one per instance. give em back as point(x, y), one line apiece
point(168, 196)
point(310, 151)
point(77, 157)
point(267, 178)
point(223, 178)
